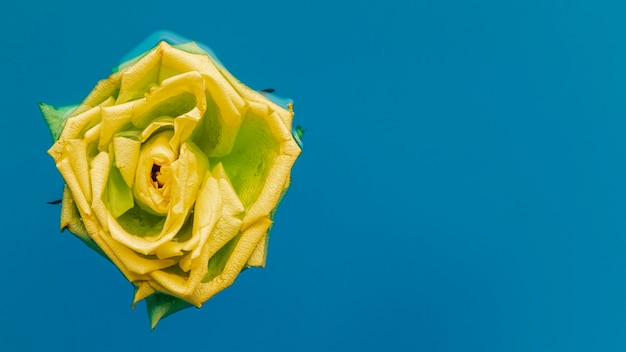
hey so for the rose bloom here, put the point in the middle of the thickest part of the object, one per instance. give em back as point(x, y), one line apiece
point(173, 171)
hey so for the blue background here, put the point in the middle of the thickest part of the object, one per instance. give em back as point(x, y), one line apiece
point(462, 187)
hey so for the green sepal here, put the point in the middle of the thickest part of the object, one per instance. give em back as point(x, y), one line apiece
point(161, 305)
point(55, 118)
point(298, 133)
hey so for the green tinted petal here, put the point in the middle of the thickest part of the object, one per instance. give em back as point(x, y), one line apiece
point(211, 134)
point(120, 196)
point(141, 223)
point(251, 158)
point(218, 260)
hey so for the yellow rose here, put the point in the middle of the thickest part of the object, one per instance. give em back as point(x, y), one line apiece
point(173, 171)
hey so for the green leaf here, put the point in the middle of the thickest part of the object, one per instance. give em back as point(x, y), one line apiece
point(55, 118)
point(161, 305)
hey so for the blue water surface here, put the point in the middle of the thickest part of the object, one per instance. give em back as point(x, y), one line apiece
point(462, 187)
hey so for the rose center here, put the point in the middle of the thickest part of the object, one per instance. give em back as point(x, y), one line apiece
point(156, 172)
point(160, 175)
point(154, 175)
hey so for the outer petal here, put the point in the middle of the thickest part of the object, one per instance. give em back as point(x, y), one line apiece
point(71, 221)
point(234, 263)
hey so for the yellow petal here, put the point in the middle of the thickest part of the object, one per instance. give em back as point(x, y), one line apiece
point(184, 126)
point(113, 119)
point(259, 254)
point(142, 290)
point(71, 179)
point(126, 156)
point(169, 250)
point(70, 218)
point(138, 78)
point(76, 152)
point(103, 94)
point(206, 213)
point(99, 172)
point(133, 261)
point(157, 103)
point(156, 125)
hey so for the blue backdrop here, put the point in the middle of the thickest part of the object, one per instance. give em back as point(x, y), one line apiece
point(462, 186)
